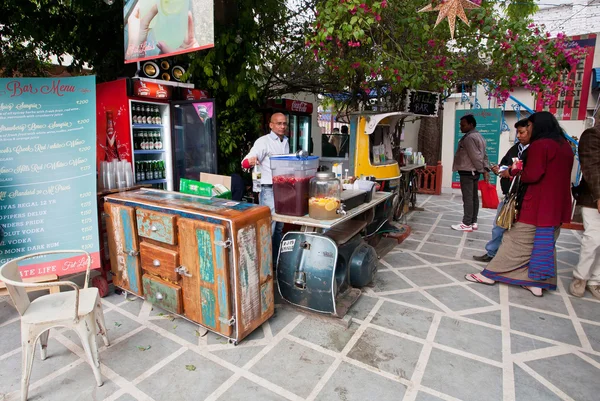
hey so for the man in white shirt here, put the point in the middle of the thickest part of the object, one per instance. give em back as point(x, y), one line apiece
point(274, 143)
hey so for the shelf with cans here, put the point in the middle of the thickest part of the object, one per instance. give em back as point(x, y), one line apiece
point(150, 136)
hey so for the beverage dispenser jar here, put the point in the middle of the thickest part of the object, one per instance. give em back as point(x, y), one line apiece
point(325, 196)
point(291, 177)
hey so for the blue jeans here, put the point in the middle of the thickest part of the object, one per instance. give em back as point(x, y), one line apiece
point(266, 199)
point(497, 232)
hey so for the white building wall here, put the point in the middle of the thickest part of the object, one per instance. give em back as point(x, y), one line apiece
point(578, 18)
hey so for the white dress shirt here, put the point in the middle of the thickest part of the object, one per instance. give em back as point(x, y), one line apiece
point(264, 147)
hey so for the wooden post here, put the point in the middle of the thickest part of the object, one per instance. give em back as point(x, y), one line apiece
point(438, 178)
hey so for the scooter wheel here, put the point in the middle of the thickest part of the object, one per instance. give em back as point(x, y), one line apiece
point(101, 284)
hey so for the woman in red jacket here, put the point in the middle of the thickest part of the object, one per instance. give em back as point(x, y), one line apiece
point(527, 254)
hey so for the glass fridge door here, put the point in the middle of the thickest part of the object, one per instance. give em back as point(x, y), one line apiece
point(194, 140)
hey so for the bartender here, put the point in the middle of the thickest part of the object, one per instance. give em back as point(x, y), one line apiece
point(274, 143)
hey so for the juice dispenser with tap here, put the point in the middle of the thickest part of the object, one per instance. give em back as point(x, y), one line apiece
point(291, 178)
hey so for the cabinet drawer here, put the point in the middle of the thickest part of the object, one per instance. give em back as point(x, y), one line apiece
point(157, 226)
point(159, 261)
point(162, 294)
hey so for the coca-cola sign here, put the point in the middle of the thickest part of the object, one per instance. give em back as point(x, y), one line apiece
point(193, 94)
point(297, 106)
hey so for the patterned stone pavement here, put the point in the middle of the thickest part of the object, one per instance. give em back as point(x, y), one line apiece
point(420, 333)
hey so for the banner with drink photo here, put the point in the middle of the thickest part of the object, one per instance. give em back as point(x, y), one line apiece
point(161, 28)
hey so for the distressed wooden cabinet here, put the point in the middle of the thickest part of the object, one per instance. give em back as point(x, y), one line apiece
point(208, 260)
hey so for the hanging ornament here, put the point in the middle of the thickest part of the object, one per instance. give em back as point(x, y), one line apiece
point(451, 9)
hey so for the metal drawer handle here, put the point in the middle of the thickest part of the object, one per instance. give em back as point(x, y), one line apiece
point(131, 253)
point(156, 262)
point(182, 270)
point(159, 296)
point(154, 229)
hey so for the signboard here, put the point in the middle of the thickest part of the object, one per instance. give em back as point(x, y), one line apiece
point(421, 102)
point(160, 28)
point(149, 89)
point(488, 125)
point(572, 105)
point(297, 106)
point(48, 172)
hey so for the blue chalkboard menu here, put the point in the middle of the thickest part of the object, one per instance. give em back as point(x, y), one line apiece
point(48, 173)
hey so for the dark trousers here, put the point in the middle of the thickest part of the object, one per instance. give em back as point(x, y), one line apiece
point(470, 196)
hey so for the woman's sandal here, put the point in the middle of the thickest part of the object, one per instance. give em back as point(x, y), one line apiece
point(530, 289)
point(474, 278)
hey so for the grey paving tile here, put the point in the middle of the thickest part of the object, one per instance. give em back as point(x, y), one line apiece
point(483, 234)
point(58, 357)
point(408, 245)
point(389, 353)
point(594, 357)
point(568, 257)
point(350, 383)
point(245, 390)
point(444, 228)
point(494, 317)
point(568, 373)
point(389, 281)
point(490, 291)
point(425, 276)
point(133, 305)
point(287, 358)
point(403, 319)
point(543, 325)
point(421, 396)
point(182, 328)
point(458, 298)
point(126, 397)
point(549, 302)
point(214, 338)
point(476, 244)
point(179, 378)
point(435, 259)
point(402, 259)
point(284, 315)
point(527, 388)
point(468, 253)
point(593, 334)
point(7, 312)
point(362, 307)
point(458, 270)
point(414, 298)
point(422, 220)
point(456, 375)
point(112, 297)
point(239, 355)
point(471, 338)
point(76, 384)
point(129, 361)
point(451, 217)
point(325, 333)
point(586, 309)
point(443, 240)
point(10, 336)
point(437, 249)
point(520, 343)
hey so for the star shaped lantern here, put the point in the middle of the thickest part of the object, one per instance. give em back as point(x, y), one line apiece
point(451, 9)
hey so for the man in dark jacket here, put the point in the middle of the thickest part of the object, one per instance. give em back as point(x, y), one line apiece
point(470, 160)
point(503, 171)
point(587, 271)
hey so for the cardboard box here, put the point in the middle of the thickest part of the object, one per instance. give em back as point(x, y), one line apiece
point(216, 179)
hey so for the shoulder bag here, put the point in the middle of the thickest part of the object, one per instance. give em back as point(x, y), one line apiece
point(508, 213)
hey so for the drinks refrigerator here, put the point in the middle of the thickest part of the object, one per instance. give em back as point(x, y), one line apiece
point(135, 129)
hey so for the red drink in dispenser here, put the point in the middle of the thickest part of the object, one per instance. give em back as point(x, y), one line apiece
point(291, 178)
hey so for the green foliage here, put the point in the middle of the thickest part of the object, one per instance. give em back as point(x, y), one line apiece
point(371, 43)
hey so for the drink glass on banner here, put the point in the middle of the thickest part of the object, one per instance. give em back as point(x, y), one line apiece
point(172, 22)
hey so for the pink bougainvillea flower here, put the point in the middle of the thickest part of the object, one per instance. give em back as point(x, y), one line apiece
point(431, 42)
point(355, 65)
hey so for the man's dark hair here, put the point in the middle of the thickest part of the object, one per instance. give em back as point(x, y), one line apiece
point(522, 123)
point(545, 125)
point(470, 120)
point(344, 129)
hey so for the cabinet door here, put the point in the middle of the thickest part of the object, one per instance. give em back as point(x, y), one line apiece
point(124, 247)
point(206, 287)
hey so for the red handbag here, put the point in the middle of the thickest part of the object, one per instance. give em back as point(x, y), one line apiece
point(489, 195)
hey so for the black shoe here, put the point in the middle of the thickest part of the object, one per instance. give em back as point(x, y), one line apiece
point(483, 258)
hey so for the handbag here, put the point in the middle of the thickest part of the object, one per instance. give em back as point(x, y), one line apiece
point(489, 195)
point(508, 213)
